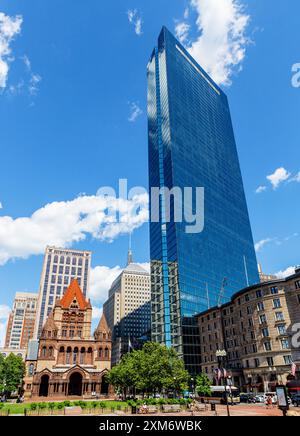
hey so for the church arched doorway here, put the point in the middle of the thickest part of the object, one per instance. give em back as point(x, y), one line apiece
point(44, 386)
point(75, 385)
point(104, 386)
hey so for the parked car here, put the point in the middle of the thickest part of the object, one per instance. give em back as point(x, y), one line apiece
point(247, 398)
point(260, 398)
point(296, 400)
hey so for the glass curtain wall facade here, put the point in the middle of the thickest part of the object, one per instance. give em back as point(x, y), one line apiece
point(192, 144)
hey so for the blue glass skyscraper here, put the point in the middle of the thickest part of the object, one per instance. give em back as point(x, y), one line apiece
point(192, 144)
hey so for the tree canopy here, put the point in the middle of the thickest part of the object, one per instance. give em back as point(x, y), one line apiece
point(12, 371)
point(203, 385)
point(153, 369)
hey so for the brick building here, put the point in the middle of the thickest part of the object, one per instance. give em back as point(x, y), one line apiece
point(20, 326)
point(68, 362)
point(255, 329)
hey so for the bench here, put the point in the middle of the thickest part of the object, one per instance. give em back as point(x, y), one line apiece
point(149, 409)
point(171, 408)
point(198, 407)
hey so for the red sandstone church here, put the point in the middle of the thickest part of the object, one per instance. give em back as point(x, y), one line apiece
point(70, 363)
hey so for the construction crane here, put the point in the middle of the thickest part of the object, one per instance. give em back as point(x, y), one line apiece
point(222, 291)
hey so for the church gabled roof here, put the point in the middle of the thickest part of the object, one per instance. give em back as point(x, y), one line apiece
point(102, 326)
point(74, 293)
point(50, 324)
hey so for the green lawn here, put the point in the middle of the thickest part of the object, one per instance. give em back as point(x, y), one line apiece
point(18, 409)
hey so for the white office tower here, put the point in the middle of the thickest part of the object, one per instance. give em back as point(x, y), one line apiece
point(61, 266)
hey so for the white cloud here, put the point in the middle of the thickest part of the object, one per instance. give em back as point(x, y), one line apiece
point(296, 178)
point(286, 273)
point(4, 314)
point(278, 177)
point(97, 313)
point(135, 112)
point(135, 19)
point(1, 205)
point(66, 222)
point(278, 241)
point(260, 245)
point(9, 28)
point(182, 31)
point(101, 279)
point(221, 45)
point(261, 189)
point(186, 13)
point(34, 78)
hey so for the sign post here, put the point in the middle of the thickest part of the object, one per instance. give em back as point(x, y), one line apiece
point(283, 403)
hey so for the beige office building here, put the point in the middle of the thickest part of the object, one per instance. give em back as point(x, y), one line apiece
point(127, 309)
point(60, 268)
point(257, 331)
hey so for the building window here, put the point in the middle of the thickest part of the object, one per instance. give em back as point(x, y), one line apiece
point(288, 360)
point(285, 344)
point(282, 329)
point(279, 316)
point(299, 298)
point(268, 346)
point(263, 319)
point(31, 369)
point(260, 306)
point(270, 361)
point(259, 293)
point(265, 333)
point(277, 303)
point(274, 290)
point(256, 363)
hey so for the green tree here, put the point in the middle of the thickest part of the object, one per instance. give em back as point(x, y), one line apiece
point(12, 371)
point(150, 370)
point(203, 385)
point(2, 378)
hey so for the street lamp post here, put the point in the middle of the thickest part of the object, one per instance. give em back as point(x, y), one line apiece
point(221, 356)
point(193, 386)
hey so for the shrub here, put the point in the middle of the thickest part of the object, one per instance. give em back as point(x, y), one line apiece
point(33, 406)
point(132, 403)
point(42, 406)
point(102, 405)
point(51, 406)
point(60, 405)
point(1, 406)
point(67, 403)
point(94, 404)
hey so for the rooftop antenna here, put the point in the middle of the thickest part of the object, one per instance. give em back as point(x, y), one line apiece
point(129, 256)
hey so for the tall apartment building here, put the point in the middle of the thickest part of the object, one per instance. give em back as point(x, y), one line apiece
point(127, 309)
point(192, 145)
point(61, 267)
point(256, 330)
point(20, 327)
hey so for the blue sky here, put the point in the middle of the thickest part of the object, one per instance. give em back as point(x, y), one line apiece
point(73, 119)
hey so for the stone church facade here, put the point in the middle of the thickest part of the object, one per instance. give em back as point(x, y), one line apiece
point(70, 362)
